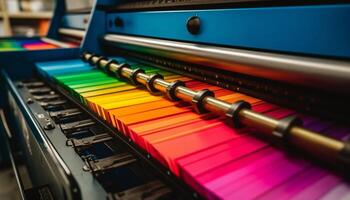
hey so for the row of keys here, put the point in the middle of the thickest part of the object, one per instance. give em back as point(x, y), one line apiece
point(96, 146)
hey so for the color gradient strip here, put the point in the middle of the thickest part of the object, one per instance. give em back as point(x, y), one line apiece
point(25, 44)
point(204, 150)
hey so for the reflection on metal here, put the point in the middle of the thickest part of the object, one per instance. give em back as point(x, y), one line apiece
point(315, 72)
point(72, 32)
point(288, 130)
point(55, 42)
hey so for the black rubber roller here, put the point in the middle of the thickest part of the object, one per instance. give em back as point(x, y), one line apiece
point(344, 155)
point(106, 68)
point(98, 62)
point(171, 89)
point(90, 59)
point(150, 82)
point(284, 125)
point(133, 76)
point(119, 71)
point(197, 101)
point(82, 56)
point(234, 110)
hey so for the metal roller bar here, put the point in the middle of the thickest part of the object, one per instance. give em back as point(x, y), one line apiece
point(72, 32)
point(55, 42)
point(288, 130)
point(300, 70)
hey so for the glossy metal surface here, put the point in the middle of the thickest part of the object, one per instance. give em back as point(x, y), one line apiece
point(316, 143)
point(72, 32)
point(77, 21)
point(298, 70)
point(55, 42)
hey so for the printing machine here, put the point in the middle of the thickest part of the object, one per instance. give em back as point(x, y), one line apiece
point(292, 53)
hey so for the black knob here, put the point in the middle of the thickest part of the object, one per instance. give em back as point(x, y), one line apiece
point(194, 25)
point(20, 85)
point(30, 101)
point(118, 22)
point(49, 126)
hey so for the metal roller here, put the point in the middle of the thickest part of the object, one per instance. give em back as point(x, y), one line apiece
point(289, 130)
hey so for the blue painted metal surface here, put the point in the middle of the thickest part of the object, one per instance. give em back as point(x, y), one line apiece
point(24, 67)
point(56, 20)
point(97, 27)
point(63, 19)
point(318, 30)
point(95, 31)
point(77, 21)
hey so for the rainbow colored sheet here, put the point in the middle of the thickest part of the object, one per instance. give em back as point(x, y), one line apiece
point(218, 161)
point(24, 44)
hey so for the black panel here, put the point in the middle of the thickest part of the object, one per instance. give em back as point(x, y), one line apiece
point(203, 4)
point(115, 165)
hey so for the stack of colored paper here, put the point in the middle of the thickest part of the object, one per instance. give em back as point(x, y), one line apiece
point(24, 44)
point(205, 151)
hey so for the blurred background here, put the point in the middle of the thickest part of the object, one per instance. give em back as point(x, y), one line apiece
point(31, 17)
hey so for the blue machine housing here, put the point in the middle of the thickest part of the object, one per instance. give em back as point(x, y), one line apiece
point(320, 30)
point(56, 21)
point(96, 28)
point(24, 67)
point(77, 21)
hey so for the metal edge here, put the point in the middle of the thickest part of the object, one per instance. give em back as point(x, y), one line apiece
point(72, 32)
point(55, 42)
point(66, 175)
point(12, 159)
point(137, 151)
point(320, 73)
